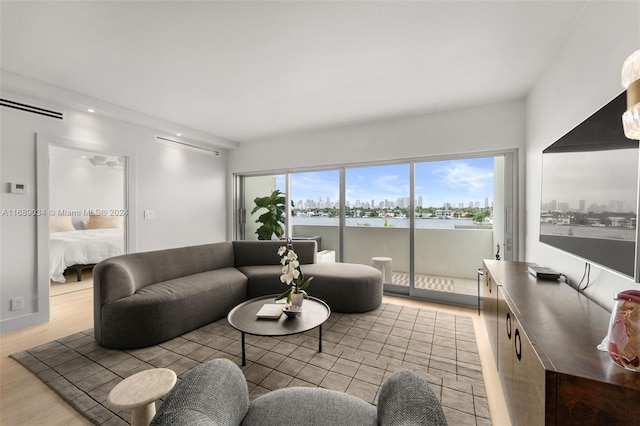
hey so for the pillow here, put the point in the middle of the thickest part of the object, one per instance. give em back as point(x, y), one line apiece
point(101, 222)
point(60, 224)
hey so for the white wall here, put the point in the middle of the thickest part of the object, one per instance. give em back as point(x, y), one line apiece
point(494, 127)
point(584, 76)
point(186, 189)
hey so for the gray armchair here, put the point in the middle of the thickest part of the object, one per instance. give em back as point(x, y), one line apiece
point(215, 393)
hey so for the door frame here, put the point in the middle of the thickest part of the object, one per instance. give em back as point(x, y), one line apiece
point(43, 142)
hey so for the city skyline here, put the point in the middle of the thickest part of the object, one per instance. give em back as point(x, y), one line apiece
point(453, 183)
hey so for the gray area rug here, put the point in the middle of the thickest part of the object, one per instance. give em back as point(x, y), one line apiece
point(360, 351)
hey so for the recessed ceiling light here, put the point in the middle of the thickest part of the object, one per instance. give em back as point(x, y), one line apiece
point(91, 110)
point(178, 134)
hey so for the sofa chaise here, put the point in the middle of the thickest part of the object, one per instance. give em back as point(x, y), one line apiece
point(215, 393)
point(142, 299)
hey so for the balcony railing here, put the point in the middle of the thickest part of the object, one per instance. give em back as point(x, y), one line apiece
point(454, 254)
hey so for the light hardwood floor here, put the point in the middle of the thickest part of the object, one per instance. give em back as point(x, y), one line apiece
point(25, 400)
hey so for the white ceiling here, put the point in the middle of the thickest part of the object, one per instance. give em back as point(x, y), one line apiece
point(249, 70)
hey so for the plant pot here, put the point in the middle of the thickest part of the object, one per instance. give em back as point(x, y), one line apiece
point(297, 299)
point(624, 331)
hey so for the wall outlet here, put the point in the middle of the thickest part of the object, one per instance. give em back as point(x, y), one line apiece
point(149, 214)
point(17, 303)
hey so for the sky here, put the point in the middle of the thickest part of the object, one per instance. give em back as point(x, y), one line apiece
point(438, 182)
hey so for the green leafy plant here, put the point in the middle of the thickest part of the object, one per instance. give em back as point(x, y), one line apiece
point(481, 216)
point(273, 219)
point(291, 273)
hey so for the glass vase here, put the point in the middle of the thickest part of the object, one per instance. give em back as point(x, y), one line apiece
point(624, 331)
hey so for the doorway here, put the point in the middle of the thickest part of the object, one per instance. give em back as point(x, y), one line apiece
point(86, 219)
point(122, 212)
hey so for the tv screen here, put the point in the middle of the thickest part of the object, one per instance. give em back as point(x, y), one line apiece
point(590, 192)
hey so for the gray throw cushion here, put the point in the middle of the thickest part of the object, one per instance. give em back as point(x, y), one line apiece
point(405, 400)
point(214, 393)
point(309, 407)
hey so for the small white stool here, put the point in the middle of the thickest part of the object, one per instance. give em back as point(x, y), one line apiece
point(384, 265)
point(140, 392)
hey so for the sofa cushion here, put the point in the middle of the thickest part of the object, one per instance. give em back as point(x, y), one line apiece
point(249, 253)
point(263, 280)
point(170, 308)
point(309, 407)
point(345, 287)
point(406, 399)
point(161, 265)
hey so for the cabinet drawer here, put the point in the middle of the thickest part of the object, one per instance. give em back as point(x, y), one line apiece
point(490, 311)
point(521, 372)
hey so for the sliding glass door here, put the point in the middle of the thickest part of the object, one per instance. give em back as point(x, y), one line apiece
point(453, 227)
point(316, 210)
point(255, 187)
point(377, 221)
point(427, 225)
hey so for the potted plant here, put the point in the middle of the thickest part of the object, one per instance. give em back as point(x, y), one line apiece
point(273, 219)
point(292, 276)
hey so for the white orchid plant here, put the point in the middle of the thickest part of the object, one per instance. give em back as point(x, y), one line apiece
point(291, 273)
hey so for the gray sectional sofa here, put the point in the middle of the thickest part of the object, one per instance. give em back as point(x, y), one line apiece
point(215, 393)
point(142, 299)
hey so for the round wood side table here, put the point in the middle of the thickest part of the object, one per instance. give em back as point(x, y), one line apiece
point(140, 392)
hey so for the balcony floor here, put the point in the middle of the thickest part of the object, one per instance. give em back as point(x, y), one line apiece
point(432, 282)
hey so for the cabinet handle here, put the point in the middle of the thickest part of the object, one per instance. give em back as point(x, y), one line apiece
point(509, 325)
point(518, 344)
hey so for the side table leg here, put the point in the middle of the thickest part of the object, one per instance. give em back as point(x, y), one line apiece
point(320, 339)
point(244, 356)
point(143, 415)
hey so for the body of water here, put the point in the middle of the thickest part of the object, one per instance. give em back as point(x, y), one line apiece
point(604, 232)
point(376, 222)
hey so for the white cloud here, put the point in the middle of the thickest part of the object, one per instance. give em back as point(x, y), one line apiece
point(459, 175)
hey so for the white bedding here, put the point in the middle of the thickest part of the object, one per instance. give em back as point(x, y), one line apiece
point(82, 248)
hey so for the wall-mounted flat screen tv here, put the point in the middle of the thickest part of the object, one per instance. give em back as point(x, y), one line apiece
point(590, 192)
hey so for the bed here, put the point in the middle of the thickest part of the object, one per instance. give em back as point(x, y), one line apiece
point(74, 250)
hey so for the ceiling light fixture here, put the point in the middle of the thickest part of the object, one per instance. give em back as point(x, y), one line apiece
point(91, 110)
point(103, 161)
point(631, 83)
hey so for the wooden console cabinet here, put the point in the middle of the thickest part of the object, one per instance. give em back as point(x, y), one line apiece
point(544, 336)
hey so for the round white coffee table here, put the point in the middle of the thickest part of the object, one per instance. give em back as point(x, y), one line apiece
point(140, 392)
